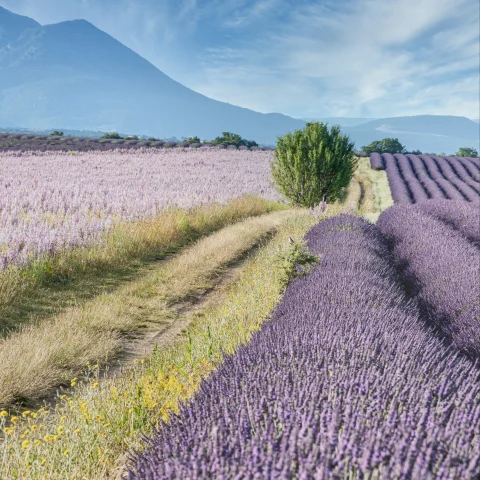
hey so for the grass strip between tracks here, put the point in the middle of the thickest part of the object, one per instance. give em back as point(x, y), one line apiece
point(40, 357)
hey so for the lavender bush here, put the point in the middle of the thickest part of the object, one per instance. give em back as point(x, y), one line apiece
point(376, 161)
point(441, 268)
point(49, 201)
point(343, 382)
point(398, 187)
point(463, 216)
point(416, 178)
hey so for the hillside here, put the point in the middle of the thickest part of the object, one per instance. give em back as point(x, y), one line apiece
point(428, 133)
point(72, 75)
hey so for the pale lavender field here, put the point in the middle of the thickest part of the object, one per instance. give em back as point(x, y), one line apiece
point(50, 201)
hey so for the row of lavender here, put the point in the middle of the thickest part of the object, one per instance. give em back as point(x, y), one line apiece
point(415, 178)
point(17, 142)
point(51, 201)
point(345, 381)
point(436, 247)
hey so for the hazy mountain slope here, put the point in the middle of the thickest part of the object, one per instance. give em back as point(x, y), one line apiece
point(73, 75)
point(428, 133)
point(12, 25)
point(342, 121)
point(450, 125)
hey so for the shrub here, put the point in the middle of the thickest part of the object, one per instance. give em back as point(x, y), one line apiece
point(313, 164)
point(386, 145)
point(56, 133)
point(228, 138)
point(113, 136)
point(467, 152)
point(132, 137)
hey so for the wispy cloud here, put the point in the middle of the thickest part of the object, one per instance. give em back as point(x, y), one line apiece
point(304, 58)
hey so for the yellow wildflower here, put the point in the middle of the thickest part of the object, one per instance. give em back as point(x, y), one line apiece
point(25, 413)
point(14, 419)
point(25, 444)
point(3, 413)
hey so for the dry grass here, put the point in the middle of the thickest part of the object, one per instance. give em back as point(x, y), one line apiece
point(368, 193)
point(87, 435)
point(43, 356)
point(375, 191)
point(44, 287)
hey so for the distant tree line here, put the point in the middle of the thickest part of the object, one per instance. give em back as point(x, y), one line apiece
point(392, 145)
point(227, 138)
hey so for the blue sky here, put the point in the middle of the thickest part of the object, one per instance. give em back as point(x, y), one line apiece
point(370, 58)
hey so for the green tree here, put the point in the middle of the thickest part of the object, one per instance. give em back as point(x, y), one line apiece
point(228, 138)
point(132, 137)
point(56, 133)
point(467, 152)
point(193, 139)
point(386, 145)
point(313, 164)
point(113, 135)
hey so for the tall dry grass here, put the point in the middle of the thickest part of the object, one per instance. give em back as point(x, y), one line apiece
point(42, 356)
point(40, 289)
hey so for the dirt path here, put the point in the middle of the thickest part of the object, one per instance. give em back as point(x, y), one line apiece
point(140, 343)
point(186, 313)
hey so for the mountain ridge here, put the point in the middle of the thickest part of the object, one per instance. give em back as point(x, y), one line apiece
point(73, 75)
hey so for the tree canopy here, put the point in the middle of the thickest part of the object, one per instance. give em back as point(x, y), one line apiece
point(386, 145)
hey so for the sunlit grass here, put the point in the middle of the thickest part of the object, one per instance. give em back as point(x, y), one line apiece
point(43, 356)
point(71, 276)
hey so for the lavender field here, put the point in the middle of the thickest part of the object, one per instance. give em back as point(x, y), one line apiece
point(347, 380)
point(415, 178)
point(53, 200)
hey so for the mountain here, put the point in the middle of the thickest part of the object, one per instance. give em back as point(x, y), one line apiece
point(428, 133)
point(12, 25)
point(342, 121)
point(72, 75)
